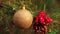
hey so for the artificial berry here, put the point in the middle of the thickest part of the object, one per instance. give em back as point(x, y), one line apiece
point(36, 21)
point(41, 20)
point(13, 22)
point(48, 20)
point(41, 13)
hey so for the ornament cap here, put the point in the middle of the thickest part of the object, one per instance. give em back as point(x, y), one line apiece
point(23, 7)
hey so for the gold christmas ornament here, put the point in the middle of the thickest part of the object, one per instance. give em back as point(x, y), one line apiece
point(23, 18)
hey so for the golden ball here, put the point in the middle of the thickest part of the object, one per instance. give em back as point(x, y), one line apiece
point(23, 18)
